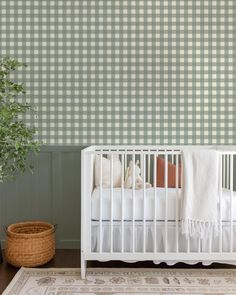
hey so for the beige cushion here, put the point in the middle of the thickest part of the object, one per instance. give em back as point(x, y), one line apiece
point(106, 167)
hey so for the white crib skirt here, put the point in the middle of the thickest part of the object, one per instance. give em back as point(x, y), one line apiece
point(210, 244)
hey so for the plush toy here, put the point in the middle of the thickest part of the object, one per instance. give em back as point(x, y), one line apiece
point(139, 183)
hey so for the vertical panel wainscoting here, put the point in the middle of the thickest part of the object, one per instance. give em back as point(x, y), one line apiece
point(51, 193)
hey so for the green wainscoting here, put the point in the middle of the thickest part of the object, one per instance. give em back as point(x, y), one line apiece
point(51, 193)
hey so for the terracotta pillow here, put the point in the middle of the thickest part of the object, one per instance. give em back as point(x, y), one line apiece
point(171, 174)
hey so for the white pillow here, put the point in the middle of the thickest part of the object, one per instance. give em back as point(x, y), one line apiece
point(106, 175)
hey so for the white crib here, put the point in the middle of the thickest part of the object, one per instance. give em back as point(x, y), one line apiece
point(136, 225)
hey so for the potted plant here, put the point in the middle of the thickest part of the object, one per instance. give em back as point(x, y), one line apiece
point(16, 138)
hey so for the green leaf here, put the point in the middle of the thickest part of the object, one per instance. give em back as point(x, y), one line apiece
point(16, 138)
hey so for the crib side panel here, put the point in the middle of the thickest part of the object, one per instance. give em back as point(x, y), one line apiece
point(134, 224)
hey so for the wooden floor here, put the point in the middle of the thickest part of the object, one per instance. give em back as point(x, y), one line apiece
point(71, 258)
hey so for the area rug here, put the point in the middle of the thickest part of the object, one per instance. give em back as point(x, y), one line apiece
point(59, 281)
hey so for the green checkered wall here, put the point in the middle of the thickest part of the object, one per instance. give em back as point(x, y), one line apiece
point(126, 71)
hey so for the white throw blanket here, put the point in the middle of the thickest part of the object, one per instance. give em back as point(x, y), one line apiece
point(200, 193)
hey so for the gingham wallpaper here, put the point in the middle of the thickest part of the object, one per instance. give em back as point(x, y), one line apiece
point(126, 71)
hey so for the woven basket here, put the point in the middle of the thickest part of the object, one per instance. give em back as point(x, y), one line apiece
point(30, 243)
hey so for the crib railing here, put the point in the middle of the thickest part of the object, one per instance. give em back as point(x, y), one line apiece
point(147, 157)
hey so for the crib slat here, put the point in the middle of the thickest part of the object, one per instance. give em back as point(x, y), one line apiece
point(133, 204)
point(141, 163)
point(210, 243)
point(177, 205)
point(188, 244)
point(111, 202)
point(122, 203)
point(223, 170)
point(125, 159)
point(188, 238)
point(149, 164)
point(166, 200)
point(181, 181)
point(199, 245)
point(155, 202)
point(220, 203)
point(231, 203)
point(144, 202)
point(100, 211)
point(228, 170)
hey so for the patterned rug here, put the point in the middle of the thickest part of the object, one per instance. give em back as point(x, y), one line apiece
point(29, 281)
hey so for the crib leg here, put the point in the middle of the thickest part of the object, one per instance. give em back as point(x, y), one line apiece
point(83, 267)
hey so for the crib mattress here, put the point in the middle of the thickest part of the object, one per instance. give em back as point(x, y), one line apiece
point(172, 196)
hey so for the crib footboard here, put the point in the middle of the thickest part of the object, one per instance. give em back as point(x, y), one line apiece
point(131, 207)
